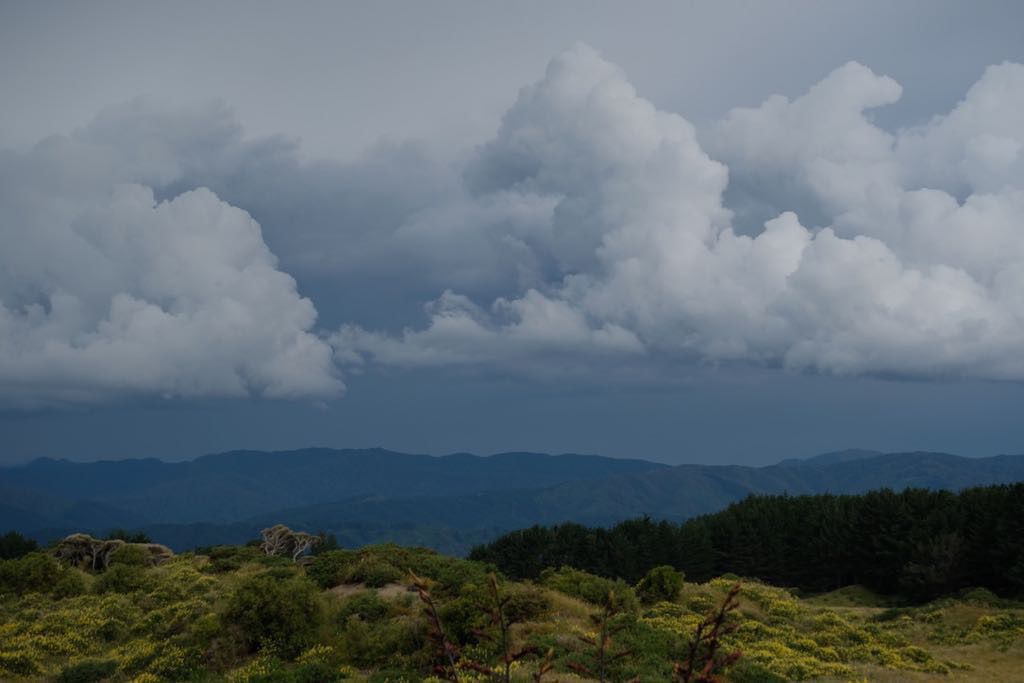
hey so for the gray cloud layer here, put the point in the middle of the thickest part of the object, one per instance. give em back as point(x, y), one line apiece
point(593, 231)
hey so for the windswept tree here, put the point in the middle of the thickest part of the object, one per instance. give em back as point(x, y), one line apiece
point(280, 540)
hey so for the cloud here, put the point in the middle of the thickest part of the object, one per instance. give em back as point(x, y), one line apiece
point(106, 292)
point(903, 271)
point(532, 334)
point(593, 232)
point(819, 153)
point(979, 146)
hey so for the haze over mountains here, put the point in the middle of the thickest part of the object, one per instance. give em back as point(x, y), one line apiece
point(449, 502)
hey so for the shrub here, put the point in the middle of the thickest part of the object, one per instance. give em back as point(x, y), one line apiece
point(448, 574)
point(261, 670)
point(981, 597)
point(281, 616)
point(36, 572)
point(222, 558)
point(281, 572)
point(373, 571)
point(662, 584)
point(316, 672)
point(122, 578)
point(18, 663)
point(462, 619)
point(88, 671)
point(367, 605)
point(593, 589)
point(229, 558)
point(132, 555)
point(319, 664)
point(524, 603)
point(70, 584)
point(381, 643)
point(327, 567)
point(747, 671)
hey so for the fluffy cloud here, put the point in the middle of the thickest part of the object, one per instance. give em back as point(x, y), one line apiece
point(106, 292)
point(976, 148)
point(593, 233)
point(532, 334)
point(903, 270)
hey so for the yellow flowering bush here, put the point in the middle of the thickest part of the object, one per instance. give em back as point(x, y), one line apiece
point(259, 668)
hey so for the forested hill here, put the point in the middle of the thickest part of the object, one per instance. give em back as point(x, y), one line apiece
point(449, 503)
point(917, 543)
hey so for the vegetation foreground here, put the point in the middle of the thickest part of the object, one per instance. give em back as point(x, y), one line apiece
point(234, 613)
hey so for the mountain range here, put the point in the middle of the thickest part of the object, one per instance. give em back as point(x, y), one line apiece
point(449, 502)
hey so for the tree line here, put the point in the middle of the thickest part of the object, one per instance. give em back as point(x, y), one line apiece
point(917, 543)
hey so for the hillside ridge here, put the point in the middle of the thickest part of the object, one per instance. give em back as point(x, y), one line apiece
point(446, 502)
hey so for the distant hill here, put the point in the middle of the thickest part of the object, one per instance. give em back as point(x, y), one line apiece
point(232, 486)
point(450, 502)
point(832, 458)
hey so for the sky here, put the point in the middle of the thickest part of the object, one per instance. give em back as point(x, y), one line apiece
point(729, 232)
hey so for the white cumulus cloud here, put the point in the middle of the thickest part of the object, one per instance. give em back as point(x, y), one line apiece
point(912, 263)
point(106, 292)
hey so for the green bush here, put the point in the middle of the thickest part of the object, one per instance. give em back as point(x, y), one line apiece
point(524, 603)
point(647, 648)
point(375, 572)
point(326, 568)
point(18, 663)
point(34, 573)
point(229, 558)
point(585, 586)
point(462, 618)
point(122, 578)
point(70, 584)
point(981, 597)
point(449, 574)
point(381, 643)
point(281, 616)
point(465, 616)
point(131, 555)
point(282, 573)
point(662, 584)
point(88, 671)
point(367, 605)
point(749, 671)
point(316, 672)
